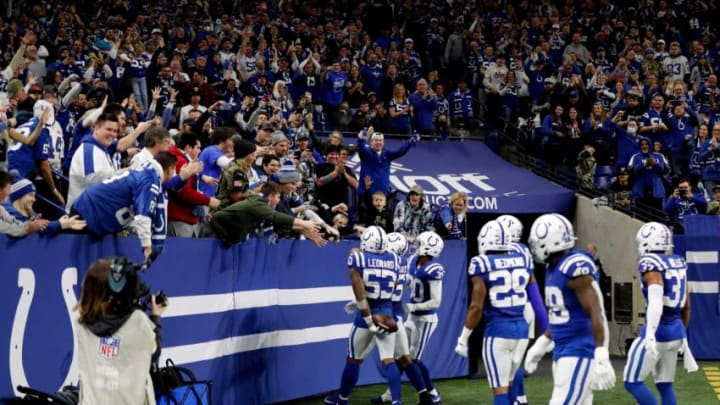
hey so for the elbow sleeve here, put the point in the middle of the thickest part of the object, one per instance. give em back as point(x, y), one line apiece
point(654, 308)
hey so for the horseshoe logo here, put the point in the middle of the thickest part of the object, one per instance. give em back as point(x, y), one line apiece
point(542, 230)
point(26, 281)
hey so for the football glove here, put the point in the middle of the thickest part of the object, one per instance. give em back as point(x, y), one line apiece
point(542, 345)
point(688, 359)
point(651, 347)
point(602, 372)
point(351, 307)
point(374, 328)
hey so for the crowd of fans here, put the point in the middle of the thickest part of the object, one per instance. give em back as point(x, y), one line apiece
point(242, 94)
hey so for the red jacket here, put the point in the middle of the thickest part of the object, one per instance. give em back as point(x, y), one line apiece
point(181, 203)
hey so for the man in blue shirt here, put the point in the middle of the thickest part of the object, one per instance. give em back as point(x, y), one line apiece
point(131, 200)
point(423, 106)
point(375, 161)
point(683, 203)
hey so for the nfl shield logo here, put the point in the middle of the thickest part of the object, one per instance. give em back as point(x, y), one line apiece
point(109, 347)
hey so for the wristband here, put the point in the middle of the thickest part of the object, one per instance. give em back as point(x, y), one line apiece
point(362, 304)
point(368, 320)
point(465, 333)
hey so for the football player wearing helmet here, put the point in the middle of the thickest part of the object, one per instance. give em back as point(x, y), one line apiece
point(578, 328)
point(664, 285)
point(374, 274)
point(500, 277)
point(397, 243)
point(535, 310)
point(425, 299)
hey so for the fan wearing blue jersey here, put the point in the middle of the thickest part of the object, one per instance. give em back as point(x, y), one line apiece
point(374, 274)
point(129, 200)
point(397, 243)
point(667, 315)
point(425, 299)
point(500, 278)
point(578, 328)
point(31, 160)
point(535, 310)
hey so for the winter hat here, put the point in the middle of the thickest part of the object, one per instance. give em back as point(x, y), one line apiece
point(416, 190)
point(278, 136)
point(13, 87)
point(288, 174)
point(20, 188)
point(243, 148)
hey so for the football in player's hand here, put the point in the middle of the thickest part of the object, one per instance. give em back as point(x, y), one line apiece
point(385, 321)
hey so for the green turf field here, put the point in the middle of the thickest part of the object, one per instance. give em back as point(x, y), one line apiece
point(692, 389)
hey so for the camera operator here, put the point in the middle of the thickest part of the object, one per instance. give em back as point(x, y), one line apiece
point(683, 203)
point(116, 341)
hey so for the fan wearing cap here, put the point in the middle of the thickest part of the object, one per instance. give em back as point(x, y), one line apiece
point(10, 225)
point(281, 146)
point(621, 188)
point(676, 65)
point(714, 205)
point(235, 179)
point(413, 216)
point(249, 217)
point(375, 161)
point(20, 206)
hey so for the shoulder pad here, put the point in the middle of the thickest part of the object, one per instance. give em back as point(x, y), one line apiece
point(651, 262)
point(576, 265)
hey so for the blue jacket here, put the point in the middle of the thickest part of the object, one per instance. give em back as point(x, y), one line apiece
point(678, 208)
point(648, 177)
point(710, 161)
point(377, 165)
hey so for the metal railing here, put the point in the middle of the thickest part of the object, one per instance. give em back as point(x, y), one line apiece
point(514, 149)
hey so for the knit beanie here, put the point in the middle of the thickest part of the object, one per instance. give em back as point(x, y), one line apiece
point(20, 188)
point(288, 174)
point(243, 148)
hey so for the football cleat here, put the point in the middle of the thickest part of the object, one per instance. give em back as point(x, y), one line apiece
point(334, 399)
point(382, 399)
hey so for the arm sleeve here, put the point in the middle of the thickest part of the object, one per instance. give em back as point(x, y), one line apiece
point(654, 308)
point(10, 225)
point(141, 225)
point(435, 296)
point(541, 316)
point(176, 183)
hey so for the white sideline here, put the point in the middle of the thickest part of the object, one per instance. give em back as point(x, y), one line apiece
point(239, 344)
point(214, 303)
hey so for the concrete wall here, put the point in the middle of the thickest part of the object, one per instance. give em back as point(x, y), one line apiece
point(614, 235)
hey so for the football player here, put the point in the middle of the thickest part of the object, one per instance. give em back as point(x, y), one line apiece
point(500, 278)
point(534, 310)
point(664, 285)
point(374, 274)
point(425, 298)
point(132, 200)
point(397, 243)
point(578, 328)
